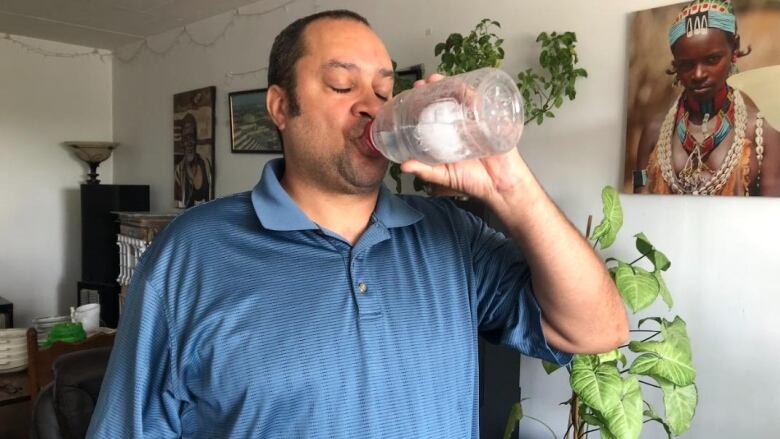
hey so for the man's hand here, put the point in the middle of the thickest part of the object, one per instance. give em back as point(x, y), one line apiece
point(487, 179)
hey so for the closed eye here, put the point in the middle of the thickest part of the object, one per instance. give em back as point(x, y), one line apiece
point(381, 98)
point(341, 90)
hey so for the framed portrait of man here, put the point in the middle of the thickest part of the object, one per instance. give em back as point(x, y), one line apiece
point(193, 146)
point(689, 130)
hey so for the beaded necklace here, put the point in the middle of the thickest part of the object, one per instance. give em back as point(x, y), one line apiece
point(724, 121)
point(692, 179)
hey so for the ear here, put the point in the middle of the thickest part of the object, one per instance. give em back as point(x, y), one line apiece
point(277, 105)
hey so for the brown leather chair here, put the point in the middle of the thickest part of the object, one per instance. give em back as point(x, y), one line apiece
point(40, 361)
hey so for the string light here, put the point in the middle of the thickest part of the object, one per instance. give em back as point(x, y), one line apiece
point(176, 41)
point(45, 52)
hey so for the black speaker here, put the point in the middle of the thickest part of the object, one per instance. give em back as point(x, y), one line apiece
point(99, 229)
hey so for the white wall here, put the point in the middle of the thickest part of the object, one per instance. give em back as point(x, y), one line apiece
point(721, 275)
point(43, 102)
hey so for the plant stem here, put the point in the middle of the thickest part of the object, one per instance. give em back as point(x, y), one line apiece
point(637, 260)
point(648, 338)
point(650, 384)
point(574, 415)
point(566, 435)
point(543, 423)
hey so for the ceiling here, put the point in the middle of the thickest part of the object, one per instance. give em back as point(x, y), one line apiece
point(105, 24)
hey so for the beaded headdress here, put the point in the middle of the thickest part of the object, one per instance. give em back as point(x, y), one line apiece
point(701, 15)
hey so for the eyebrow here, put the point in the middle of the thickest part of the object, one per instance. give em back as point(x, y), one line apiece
point(336, 64)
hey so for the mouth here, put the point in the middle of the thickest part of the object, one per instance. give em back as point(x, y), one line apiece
point(364, 143)
point(701, 89)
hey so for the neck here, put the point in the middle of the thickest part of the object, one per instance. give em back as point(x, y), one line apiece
point(348, 215)
point(711, 106)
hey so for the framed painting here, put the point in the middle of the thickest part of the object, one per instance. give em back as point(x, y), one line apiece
point(193, 146)
point(690, 130)
point(251, 128)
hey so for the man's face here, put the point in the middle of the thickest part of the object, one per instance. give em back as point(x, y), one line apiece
point(702, 62)
point(188, 140)
point(342, 80)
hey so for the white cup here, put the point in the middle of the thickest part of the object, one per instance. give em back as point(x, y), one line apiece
point(89, 316)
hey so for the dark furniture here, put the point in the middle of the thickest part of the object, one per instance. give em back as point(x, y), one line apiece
point(99, 251)
point(13, 388)
point(40, 361)
point(7, 309)
point(64, 407)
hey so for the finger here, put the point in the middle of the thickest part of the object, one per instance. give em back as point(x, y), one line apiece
point(432, 78)
point(414, 166)
point(435, 77)
point(435, 174)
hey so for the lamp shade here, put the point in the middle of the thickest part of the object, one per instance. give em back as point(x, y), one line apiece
point(762, 85)
point(93, 153)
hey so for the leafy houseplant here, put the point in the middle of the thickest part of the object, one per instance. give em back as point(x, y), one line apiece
point(608, 397)
point(542, 92)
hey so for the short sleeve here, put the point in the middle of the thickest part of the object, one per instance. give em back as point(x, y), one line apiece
point(507, 310)
point(137, 395)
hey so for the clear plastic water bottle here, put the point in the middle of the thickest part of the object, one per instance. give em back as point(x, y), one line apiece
point(471, 115)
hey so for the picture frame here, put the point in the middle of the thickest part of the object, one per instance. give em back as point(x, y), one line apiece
point(251, 127)
point(653, 88)
point(194, 123)
point(404, 79)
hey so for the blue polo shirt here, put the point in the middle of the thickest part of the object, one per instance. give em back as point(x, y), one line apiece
point(246, 319)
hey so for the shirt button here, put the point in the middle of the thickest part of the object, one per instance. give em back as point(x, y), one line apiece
point(362, 287)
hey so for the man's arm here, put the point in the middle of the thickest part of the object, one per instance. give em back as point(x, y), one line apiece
point(582, 311)
point(137, 394)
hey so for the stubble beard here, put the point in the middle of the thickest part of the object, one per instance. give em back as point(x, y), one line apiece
point(340, 171)
point(357, 181)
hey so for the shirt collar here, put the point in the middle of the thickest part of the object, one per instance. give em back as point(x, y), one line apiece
point(277, 211)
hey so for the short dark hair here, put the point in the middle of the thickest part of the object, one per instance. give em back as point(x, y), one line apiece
point(288, 48)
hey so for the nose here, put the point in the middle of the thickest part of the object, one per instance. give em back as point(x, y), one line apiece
point(700, 73)
point(367, 104)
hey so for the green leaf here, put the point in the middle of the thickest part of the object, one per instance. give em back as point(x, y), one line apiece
point(658, 320)
point(592, 420)
point(668, 359)
point(624, 420)
point(515, 414)
point(613, 356)
point(599, 385)
point(680, 403)
point(638, 288)
point(606, 232)
point(438, 49)
point(663, 290)
point(652, 416)
point(550, 367)
point(395, 174)
point(659, 260)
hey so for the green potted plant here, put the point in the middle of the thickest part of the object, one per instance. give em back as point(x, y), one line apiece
point(606, 392)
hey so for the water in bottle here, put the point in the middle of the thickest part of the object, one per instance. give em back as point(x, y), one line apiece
point(475, 114)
